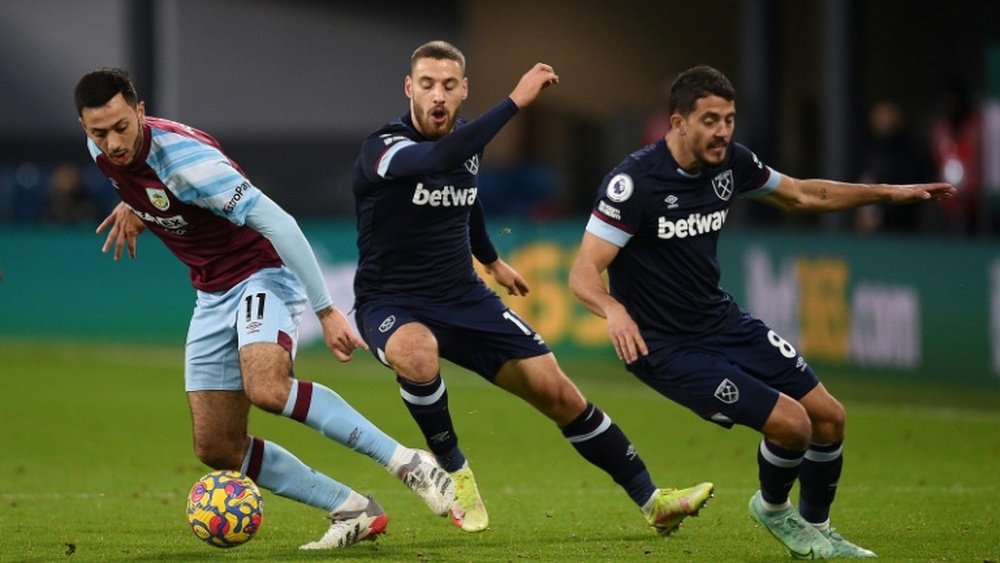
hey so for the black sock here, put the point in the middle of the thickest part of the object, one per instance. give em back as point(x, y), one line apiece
point(602, 443)
point(778, 468)
point(818, 480)
point(428, 405)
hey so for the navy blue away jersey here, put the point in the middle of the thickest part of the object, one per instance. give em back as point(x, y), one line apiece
point(413, 231)
point(667, 223)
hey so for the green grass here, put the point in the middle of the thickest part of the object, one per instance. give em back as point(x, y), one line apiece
point(96, 458)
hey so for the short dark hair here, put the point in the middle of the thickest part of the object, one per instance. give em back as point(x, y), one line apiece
point(698, 82)
point(97, 87)
point(438, 50)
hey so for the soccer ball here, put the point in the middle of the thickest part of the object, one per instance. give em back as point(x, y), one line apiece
point(225, 508)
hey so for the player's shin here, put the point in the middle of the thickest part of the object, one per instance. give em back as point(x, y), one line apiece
point(279, 471)
point(777, 468)
point(818, 479)
point(428, 405)
point(323, 409)
point(602, 443)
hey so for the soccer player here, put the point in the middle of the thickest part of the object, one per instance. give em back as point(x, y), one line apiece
point(654, 228)
point(419, 299)
point(255, 274)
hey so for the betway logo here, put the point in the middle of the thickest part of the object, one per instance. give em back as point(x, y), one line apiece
point(695, 224)
point(448, 196)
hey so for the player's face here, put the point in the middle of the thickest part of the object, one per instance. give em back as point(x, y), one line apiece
point(436, 88)
point(708, 130)
point(116, 129)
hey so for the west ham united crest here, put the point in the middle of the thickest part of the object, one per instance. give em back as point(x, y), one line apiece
point(158, 197)
point(472, 165)
point(723, 185)
point(727, 392)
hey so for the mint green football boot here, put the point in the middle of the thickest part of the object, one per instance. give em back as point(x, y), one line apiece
point(844, 548)
point(801, 538)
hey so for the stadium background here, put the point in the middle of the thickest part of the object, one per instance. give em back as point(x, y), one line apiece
point(290, 88)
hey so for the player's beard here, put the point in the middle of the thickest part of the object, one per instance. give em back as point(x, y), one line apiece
point(432, 129)
point(712, 157)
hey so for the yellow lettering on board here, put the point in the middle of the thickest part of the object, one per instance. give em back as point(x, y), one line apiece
point(826, 318)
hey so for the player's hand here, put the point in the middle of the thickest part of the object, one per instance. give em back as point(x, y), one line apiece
point(532, 83)
point(922, 192)
point(508, 277)
point(125, 228)
point(338, 335)
point(625, 335)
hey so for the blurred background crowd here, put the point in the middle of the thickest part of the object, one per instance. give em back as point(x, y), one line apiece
point(875, 91)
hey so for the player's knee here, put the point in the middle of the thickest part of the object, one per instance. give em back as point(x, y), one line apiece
point(420, 365)
point(562, 401)
point(267, 400)
point(219, 455)
point(414, 354)
point(789, 426)
point(828, 425)
point(267, 391)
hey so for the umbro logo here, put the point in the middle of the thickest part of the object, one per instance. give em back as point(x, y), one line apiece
point(671, 201)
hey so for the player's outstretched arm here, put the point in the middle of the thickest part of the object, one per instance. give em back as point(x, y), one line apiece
point(274, 223)
point(532, 83)
point(587, 283)
point(125, 228)
point(818, 195)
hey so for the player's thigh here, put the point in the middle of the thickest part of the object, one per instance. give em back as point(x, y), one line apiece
point(264, 308)
point(270, 308)
point(540, 382)
point(211, 357)
point(709, 384)
point(766, 355)
point(398, 337)
point(267, 370)
point(484, 335)
point(270, 305)
point(219, 425)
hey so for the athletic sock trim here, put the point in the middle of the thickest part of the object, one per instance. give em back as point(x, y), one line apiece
point(255, 458)
point(303, 398)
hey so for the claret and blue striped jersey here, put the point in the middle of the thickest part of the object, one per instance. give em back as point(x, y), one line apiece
point(195, 199)
point(667, 223)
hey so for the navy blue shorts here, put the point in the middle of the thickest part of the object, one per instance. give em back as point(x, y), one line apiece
point(478, 332)
point(729, 377)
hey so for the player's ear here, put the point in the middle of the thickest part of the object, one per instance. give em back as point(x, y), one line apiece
point(465, 87)
point(408, 86)
point(677, 122)
point(140, 110)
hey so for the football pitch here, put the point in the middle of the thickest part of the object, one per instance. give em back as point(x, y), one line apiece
point(97, 462)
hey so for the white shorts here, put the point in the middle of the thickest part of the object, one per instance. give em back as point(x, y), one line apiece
point(266, 307)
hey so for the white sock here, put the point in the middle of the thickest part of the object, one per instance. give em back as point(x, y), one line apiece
point(775, 507)
point(354, 502)
point(400, 457)
point(822, 526)
point(648, 505)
